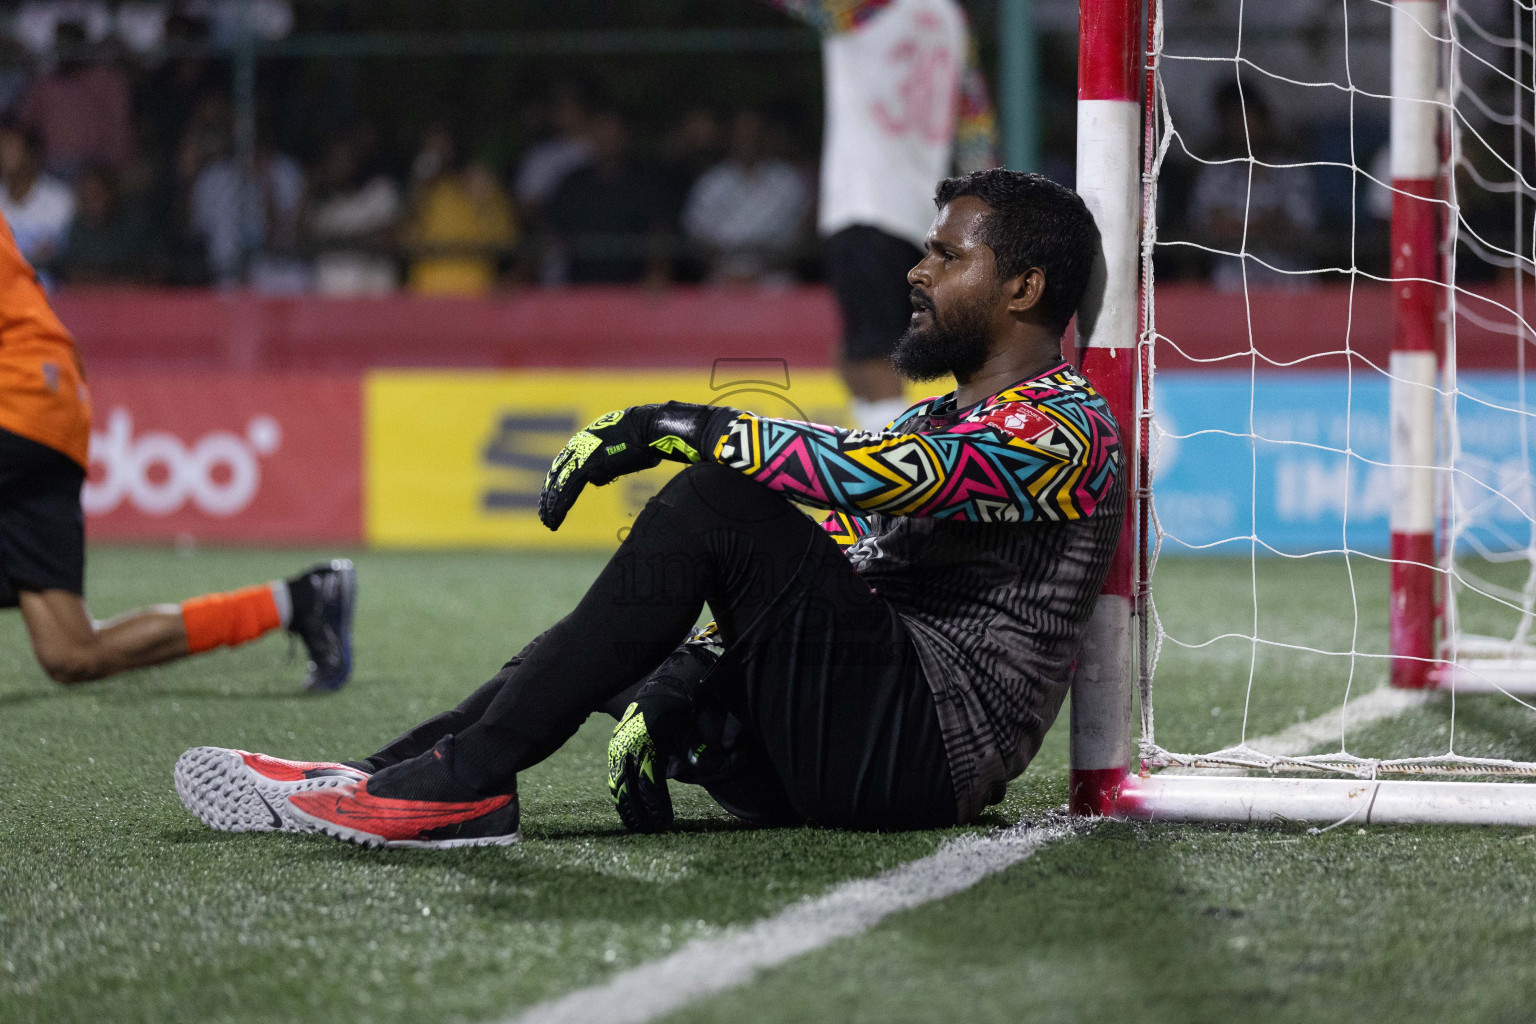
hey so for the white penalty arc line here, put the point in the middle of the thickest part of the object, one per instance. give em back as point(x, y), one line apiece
point(705, 967)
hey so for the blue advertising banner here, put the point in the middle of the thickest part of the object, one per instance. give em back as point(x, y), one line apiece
point(1300, 461)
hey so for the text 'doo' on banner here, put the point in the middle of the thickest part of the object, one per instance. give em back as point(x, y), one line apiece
point(225, 458)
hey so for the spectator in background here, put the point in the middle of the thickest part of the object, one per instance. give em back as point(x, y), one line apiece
point(280, 265)
point(36, 23)
point(435, 157)
point(15, 75)
point(692, 146)
point(1275, 209)
point(228, 22)
point(82, 109)
point(352, 222)
point(607, 219)
point(461, 221)
point(221, 212)
point(203, 142)
point(250, 230)
point(169, 94)
point(108, 242)
point(547, 164)
point(144, 24)
point(749, 211)
point(37, 206)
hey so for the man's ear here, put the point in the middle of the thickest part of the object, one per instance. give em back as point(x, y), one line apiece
point(1026, 290)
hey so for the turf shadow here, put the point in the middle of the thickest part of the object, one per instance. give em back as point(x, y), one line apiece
point(703, 826)
point(523, 884)
point(138, 695)
point(22, 697)
point(198, 835)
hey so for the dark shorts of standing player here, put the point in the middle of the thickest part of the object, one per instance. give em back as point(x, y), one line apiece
point(867, 270)
point(42, 527)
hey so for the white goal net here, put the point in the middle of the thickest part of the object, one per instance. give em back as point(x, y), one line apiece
point(1335, 407)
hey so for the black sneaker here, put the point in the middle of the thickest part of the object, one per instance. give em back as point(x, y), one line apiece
point(416, 804)
point(325, 625)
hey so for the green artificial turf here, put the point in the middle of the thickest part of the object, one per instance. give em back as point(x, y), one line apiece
point(116, 905)
point(1181, 924)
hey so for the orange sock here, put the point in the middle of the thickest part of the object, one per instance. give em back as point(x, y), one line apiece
point(225, 620)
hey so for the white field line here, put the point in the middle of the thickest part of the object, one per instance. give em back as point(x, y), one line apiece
point(1316, 733)
point(705, 967)
point(1306, 737)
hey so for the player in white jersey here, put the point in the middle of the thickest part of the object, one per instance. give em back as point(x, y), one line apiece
point(905, 103)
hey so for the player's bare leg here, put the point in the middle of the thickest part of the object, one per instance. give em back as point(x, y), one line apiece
point(316, 606)
point(73, 648)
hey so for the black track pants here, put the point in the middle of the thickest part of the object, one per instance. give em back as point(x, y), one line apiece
point(838, 725)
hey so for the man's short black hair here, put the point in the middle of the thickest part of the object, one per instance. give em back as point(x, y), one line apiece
point(1034, 222)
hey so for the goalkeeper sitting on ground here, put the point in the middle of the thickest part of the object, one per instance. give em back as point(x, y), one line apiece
point(891, 668)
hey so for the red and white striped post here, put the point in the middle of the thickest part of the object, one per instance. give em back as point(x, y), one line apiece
point(1109, 123)
point(1414, 365)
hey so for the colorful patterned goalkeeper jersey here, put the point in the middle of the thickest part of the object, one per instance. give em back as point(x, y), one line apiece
point(989, 528)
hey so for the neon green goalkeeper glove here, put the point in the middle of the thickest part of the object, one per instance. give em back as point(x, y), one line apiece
point(626, 441)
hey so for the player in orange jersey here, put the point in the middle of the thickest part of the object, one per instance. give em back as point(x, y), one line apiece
point(45, 429)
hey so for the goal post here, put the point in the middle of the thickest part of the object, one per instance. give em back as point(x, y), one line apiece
point(1109, 134)
point(1414, 150)
point(1436, 487)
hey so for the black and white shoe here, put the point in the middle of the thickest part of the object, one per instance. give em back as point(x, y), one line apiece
point(325, 623)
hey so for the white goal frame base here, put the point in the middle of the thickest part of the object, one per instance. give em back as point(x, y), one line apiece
point(1326, 801)
point(1486, 664)
point(1487, 675)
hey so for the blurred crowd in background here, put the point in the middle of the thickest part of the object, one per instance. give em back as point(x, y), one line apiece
point(119, 165)
point(121, 168)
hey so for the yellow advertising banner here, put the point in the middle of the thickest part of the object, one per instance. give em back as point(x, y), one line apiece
point(457, 459)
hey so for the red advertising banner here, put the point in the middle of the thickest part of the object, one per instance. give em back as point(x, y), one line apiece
point(226, 458)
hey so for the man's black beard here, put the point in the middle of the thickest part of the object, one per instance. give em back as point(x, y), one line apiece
point(956, 344)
